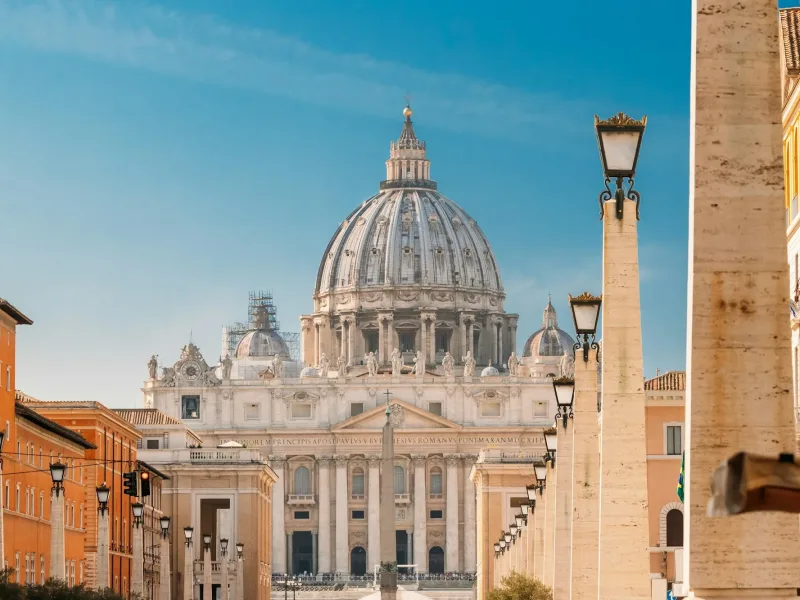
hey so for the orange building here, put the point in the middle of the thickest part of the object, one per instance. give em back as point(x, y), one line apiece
point(664, 438)
point(32, 442)
point(114, 453)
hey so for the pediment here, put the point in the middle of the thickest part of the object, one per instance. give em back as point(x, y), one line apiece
point(412, 418)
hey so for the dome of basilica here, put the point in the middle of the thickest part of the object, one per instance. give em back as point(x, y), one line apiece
point(548, 341)
point(408, 234)
point(262, 343)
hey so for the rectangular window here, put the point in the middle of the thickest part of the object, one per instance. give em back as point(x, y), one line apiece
point(8, 379)
point(153, 444)
point(436, 514)
point(406, 342)
point(356, 408)
point(190, 407)
point(674, 445)
point(358, 514)
point(442, 341)
point(371, 341)
point(301, 514)
point(491, 409)
point(252, 411)
point(435, 408)
point(301, 411)
point(41, 570)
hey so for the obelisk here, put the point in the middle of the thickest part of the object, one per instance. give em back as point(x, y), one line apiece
point(387, 514)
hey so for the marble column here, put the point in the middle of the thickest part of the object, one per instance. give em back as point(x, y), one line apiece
point(324, 514)
point(350, 326)
point(493, 329)
point(57, 557)
point(101, 577)
point(208, 581)
point(550, 528)
point(739, 376)
point(381, 340)
point(420, 514)
point(623, 558)
point(470, 524)
point(464, 347)
point(392, 337)
point(423, 338)
point(562, 584)
point(188, 572)
point(374, 513)
point(540, 510)
point(452, 544)
point(318, 348)
point(164, 591)
point(224, 577)
point(471, 336)
point(278, 516)
point(432, 353)
point(137, 560)
point(342, 518)
point(586, 479)
point(343, 339)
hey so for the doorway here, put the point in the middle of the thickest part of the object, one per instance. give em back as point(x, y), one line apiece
point(302, 552)
point(401, 545)
point(358, 561)
point(436, 560)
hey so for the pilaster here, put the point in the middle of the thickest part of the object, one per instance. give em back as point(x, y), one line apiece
point(420, 513)
point(548, 577)
point(451, 516)
point(374, 513)
point(562, 578)
point(342, 518)
point(324, 514)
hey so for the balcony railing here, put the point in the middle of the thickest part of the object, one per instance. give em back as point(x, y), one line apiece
point(204, 456)
point(216, 567)
point(301, 499)
point(402, 498)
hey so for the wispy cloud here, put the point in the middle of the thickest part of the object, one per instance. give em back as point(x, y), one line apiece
point(206, 49)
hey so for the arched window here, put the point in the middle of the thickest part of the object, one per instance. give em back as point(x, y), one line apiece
point(436, 481)
point(436, 560)
point(357, 485)
point(399, 480)
point(675, 528)
point(302, 481)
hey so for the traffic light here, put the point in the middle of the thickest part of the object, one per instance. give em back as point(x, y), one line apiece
point(145, 477)
point(129, 484)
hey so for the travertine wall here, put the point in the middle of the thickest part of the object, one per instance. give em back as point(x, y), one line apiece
point(739, 378)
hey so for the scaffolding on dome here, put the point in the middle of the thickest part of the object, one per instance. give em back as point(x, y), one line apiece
point(261, 314)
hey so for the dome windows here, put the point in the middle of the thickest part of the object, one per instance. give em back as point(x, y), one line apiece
point(439, 251)
point(374, 252)
point(468, 253)
point(407, 250)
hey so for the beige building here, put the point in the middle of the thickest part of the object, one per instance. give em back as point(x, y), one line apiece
point(222, 492)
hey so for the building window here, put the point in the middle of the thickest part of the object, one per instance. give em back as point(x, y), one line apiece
point(8, 379)
point(41, 570)
point(252, 412)
point(442, 341)
point(357, 514)
point(435, 408)
point(436, 482)
point(301, 514)
point(357, 484)
point(6, 497)
point(152, 444)
point(436, 514)
point(302, 481)
point(190, 407)
point(41, 506)
point(491, 409)
point(356, 408)
point(399, 480)
point(371, 341)
point(406, 342)
point(675, 528)
point(301, 411)
point(17, 504)
point(16, 570)
point(674, 442)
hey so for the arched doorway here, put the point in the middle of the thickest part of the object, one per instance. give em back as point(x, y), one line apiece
point(436, 560)
point(358, 561)
point(675, 528)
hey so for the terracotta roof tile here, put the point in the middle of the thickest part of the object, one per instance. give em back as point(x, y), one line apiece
point(790, 39)
point(146, 416)
point(671, 381)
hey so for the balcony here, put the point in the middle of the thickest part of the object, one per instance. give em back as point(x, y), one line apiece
point(216, 571)
point(202, 456)
point(402, 499)
point(301, 500)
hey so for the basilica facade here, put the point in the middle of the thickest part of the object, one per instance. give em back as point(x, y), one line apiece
point(407, 311)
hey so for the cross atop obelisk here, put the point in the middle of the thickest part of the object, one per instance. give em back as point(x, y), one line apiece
point(388, 552)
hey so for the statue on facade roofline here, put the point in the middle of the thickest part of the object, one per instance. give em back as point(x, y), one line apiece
point(568, 364)
point(419, 364)
point(513, 364)
point(210, 377)
point(469, 364)
point(152, 367)
point(341, 365)
point(324, 365)
point(397, 361)
point(372, 364)
point(277, 366)
point(226, 363)
point(448, 363)
point(168, 376)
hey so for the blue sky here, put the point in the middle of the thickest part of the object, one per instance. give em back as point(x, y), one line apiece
point(160, 160)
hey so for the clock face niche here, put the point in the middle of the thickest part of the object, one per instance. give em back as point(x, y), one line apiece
point(190, 370)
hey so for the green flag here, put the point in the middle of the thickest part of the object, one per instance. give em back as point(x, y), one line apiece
point(680, 477)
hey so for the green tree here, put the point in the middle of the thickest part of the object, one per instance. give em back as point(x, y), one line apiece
point(51, 590)
point(519, 586)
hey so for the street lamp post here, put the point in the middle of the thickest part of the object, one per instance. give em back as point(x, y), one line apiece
point(188, 565)
point(623, 494)
point(586, 449)
point(207, 581)
point(240, 570)
point(57, 556)
point(137, 575)
point(223, 547)
point(2, 529)
point(164, 577)
point(564, 391)
point(101, 579)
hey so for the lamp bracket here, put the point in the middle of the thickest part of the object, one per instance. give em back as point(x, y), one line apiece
point(619, 195)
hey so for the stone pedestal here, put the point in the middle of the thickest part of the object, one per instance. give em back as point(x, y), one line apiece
point(586, 482)
point(207, 574)
point(137, 562)
point(623, 558)
point(539, 535)
point(278, 516)
point(188, 572)
point(739, 376)
point(164, 572)
point(224, 585)
point(101, 577)
point(562, 579)
point(57, 559)
point(550, 527)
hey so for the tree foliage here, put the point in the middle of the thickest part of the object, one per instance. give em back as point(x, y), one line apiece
point(53, 589)
point(519, 586)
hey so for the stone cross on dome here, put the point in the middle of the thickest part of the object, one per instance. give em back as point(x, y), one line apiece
point(407, 155)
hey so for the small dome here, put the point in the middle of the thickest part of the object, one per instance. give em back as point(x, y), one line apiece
point(549, 340)
point(262, 343)
point(490, 371)
point(309, 372)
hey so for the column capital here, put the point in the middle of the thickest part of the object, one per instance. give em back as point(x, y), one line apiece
point(452, 459)
point(321, 320)
point(469, 459)
point(277, 462)
point(324, 460)
point(419, 459)
point(373, 461)
point(341, 460)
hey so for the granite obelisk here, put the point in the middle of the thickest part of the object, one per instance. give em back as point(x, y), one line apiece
point(388, 554)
